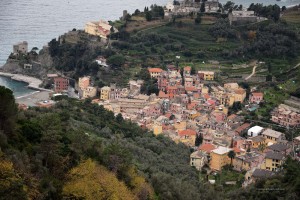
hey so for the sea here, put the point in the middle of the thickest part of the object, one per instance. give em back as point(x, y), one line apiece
point(39, 21)
point(18, 87)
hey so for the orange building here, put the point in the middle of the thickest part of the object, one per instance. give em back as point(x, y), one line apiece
point(219, 158)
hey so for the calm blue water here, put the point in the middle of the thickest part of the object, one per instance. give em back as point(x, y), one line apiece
point(39, 21)
point(19, 88)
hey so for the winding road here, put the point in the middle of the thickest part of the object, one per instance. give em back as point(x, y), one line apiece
point(253, 72)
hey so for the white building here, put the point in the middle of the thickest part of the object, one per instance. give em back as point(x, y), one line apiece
point(255, 131)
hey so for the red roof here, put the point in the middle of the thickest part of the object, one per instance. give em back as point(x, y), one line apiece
point(231, 117)
point(187, 68)
point(211, 102)
point(151, 70)
point(207, 147)
point(242, 127)
point(172, 88)
point(191, 105)
point(192, 88)
point(161, 94)
point(187, 132)
point(258, 94)
point(206, 96)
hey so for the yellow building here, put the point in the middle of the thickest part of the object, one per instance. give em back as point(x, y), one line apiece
point(193, 114)
point(257, 141)
point(100, 28)
point(206, 75)
point(239, 95)
point(157, 129)
point(105, 93)
point(180, 126)
point(204, 90)
point(273, 161)
point(187, 137)
point(89, 92)
point(219, 158)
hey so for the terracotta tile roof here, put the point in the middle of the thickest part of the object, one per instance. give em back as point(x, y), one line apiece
point(191, 105)
point(187, 132)
point(237, 150)
point(196, 95)
point(172, 88)
point(192, 88)
point(206, 96)
point(258, 94)
point(187, 68)
point(161, 94)
point(231, 117)
point(211, 102)
point(207, 147)
point(151, 70)
point(242, 127)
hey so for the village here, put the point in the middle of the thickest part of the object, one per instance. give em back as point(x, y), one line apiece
point(192, 108)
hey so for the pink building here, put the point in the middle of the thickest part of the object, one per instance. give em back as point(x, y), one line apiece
point(286, 116)
point(256, 97)
point(61, 84)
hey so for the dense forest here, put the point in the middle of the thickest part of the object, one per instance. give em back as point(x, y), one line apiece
point(79, 150)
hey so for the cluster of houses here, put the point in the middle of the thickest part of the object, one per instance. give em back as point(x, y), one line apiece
point(262, 151)
point(185, 7)
point(186, 109)
point(287, 114)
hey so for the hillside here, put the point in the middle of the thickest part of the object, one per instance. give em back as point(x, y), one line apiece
point(51, 153)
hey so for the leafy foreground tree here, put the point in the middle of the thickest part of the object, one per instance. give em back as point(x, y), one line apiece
point(90, 181)
point(8, 110)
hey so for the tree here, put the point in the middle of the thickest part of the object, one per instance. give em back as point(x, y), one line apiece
point(198, 20)
point(202, 8)
point(262, 147)
point(91, 181)
point(148, 16)
point(119, 118)
point(11, 184)
point(229, 5)
point(231, 155)
point(116, 60)
point(199, 139)
point(137, 12)
point(8, 110)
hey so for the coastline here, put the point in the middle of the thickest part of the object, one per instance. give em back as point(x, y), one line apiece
point(32, 98)
point(33, 83)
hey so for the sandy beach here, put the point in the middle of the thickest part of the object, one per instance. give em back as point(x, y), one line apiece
point(33, 98)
